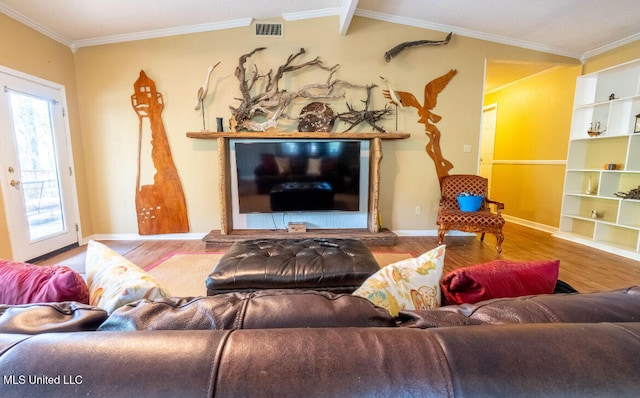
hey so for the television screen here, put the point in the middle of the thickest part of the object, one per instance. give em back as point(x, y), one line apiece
point(282, 175)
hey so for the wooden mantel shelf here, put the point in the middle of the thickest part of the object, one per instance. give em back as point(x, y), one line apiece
point(207, 135)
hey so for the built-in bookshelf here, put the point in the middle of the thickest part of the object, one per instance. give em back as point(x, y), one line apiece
point(604, 163)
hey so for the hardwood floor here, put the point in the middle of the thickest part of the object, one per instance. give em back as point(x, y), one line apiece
point(583, 267)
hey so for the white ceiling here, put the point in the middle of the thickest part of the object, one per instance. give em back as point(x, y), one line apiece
point(574, 28)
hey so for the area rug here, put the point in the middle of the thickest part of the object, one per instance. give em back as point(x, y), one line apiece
point(184, 274)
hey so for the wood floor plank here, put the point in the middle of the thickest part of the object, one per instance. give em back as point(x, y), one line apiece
point(585, 268)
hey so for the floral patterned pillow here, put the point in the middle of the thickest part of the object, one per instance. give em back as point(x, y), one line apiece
point(115, 281)
point(412, 284)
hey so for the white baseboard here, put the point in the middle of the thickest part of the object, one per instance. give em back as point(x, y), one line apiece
point(398, 232)
point(427, 232)
point(186, 236)
point(531, 224)
point(515, 220)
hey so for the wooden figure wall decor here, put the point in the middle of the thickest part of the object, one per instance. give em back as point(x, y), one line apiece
point(161, 207)
point(429, 119)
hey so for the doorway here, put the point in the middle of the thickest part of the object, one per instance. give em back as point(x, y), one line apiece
point(487, 142)
point(35, 152)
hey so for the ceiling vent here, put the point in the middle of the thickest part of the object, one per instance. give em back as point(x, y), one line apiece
point(268, 29)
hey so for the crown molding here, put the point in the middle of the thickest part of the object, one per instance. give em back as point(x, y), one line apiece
point(465, 32)
point(152, 34)
point(609, 47)
point(323, 12)
point(35, 26)
point(344, 12)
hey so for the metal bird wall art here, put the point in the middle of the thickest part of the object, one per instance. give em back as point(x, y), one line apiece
point(202, 93)
point(388, 56)
point(390, 93)
point(428, 118)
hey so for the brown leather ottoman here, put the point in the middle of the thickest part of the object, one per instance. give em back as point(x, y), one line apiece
point(335, 265)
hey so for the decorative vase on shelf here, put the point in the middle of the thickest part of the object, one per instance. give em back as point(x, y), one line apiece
point(589, 189)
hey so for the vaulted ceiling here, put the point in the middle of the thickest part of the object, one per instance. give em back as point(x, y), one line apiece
point(574, 28)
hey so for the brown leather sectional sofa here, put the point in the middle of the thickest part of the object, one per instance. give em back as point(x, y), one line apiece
point(320, 344)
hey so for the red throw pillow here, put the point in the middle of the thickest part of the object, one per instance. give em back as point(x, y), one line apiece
point(268, 163)
point(499, 278)
point(22, 283)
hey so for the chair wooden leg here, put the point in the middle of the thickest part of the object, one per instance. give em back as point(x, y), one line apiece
point(499, 239)
point(482, 237)
point(441, 233)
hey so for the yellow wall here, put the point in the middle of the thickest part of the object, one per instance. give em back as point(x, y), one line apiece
point(533, 123)
point(28, 51)
point(532, 135)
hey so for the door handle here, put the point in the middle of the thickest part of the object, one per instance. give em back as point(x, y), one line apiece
point(14, 183)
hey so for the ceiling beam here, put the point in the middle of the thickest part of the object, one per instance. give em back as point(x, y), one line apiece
point(347, 9)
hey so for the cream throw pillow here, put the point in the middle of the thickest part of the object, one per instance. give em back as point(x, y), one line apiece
point(115, 281)
point(284, 165)
point(314, 167)
point(412, 284)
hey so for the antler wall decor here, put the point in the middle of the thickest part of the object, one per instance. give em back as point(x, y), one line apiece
point(431, 91)
point(354, 117)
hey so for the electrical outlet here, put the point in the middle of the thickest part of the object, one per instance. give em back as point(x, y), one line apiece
point(418, 210)
point(466, 149)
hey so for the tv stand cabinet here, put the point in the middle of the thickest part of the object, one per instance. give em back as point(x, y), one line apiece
point(375, 156)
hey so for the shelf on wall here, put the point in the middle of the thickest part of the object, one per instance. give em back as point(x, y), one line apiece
point(207, 135)
point(617, 228)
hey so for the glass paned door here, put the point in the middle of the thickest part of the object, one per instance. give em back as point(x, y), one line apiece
point(39, 180)
point(36, 180)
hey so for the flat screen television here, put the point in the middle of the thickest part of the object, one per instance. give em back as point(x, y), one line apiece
point(301, 176)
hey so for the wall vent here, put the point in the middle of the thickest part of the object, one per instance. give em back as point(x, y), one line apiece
point(268, 29)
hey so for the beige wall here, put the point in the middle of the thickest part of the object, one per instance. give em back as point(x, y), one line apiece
point(28, 51)
point(105, 127)
point(105, 75)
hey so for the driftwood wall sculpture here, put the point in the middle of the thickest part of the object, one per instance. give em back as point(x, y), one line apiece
point(272, 104)
point(161, 207)
point(429, 119)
